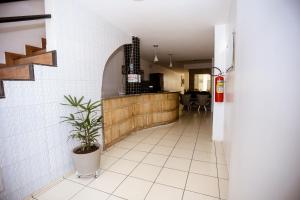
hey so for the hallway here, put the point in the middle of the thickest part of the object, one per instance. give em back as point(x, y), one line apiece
point(176, 161)
point(77, 77)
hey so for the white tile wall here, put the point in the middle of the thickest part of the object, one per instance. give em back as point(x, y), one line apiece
point(33, 144)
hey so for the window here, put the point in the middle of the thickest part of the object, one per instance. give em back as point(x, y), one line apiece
point(202, 82)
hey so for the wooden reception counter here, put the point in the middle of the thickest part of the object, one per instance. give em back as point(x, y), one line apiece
point(124, 114)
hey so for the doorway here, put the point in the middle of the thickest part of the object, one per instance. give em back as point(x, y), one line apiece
point(202, 82)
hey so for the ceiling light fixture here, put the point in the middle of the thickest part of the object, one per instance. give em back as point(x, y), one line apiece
point(155, 53)
point(171, 62)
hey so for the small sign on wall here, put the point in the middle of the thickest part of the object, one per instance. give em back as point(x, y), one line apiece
point(133, 78)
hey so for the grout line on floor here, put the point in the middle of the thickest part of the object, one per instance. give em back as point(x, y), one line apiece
point(165, 163)
point(134, 167)
point(191, 161)
point(212, 153)
point(179, 130)
point(153, 182)
point(161, 166)
point(138, 163)
point(217, 171)
point(84, 186)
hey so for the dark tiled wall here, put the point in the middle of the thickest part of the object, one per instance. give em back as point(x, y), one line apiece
point(133, 88)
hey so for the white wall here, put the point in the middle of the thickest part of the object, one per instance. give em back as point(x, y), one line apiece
point(14, 36)
point(15, 112)
point(33, 145)
point(146, 65)
point(113, 79)
point(265, 159)
point(229, 114)
point(220, 61)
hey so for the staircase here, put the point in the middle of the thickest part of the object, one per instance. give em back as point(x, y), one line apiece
point(19, 67)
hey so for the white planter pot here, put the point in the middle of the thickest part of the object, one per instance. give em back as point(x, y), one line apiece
point(87, 164)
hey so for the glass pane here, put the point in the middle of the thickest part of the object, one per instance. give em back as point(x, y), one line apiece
point(202, 82)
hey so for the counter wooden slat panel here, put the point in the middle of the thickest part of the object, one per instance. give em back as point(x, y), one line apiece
point(125, 114)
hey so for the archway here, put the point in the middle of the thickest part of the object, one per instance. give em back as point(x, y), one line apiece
point(113, 80)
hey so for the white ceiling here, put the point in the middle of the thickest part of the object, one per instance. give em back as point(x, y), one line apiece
point(184, 28)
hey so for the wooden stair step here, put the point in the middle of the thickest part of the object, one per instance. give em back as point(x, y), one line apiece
point(48, 58)
point(44, 43)
point(2, 94)
point(11, 57)
point(39, 52)
point(20, 67)
point(32, 50)
point(34, 53)
point(17, 72)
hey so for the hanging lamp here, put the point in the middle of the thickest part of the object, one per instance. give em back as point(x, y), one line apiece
point(155, 53)
point(171, 62)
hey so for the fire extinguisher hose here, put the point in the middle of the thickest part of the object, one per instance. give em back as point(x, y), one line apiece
point(219, 74)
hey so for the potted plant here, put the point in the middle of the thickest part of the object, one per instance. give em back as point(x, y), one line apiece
point(86, 121)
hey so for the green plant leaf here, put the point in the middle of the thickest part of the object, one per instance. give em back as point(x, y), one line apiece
point(86, 121)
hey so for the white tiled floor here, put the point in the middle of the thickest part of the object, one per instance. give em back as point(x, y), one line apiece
point(173, 162)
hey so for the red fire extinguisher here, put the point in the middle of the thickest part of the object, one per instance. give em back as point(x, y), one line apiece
point(219, 89)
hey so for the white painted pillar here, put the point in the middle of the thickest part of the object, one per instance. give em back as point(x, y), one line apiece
point(220, 62)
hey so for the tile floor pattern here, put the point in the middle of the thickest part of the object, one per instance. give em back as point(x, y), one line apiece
point(173, 162)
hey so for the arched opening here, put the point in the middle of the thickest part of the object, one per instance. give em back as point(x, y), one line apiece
point(113, 80)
